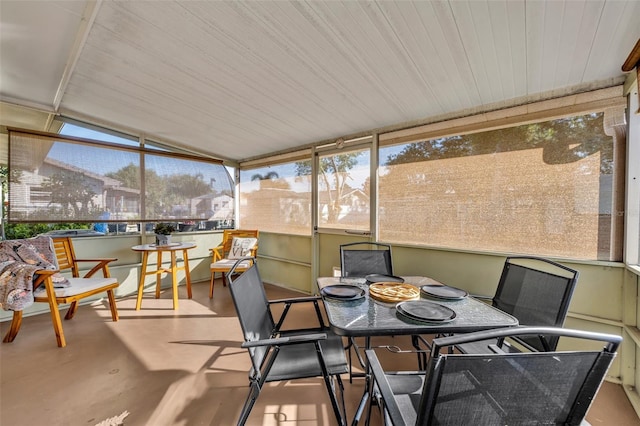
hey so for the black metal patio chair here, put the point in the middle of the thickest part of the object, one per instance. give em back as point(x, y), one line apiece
point(499, 388)
point(538, 292)
point(278, 355)
point(356, 261)
point(359, 260)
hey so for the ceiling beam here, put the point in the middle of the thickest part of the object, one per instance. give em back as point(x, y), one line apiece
point(88, 18)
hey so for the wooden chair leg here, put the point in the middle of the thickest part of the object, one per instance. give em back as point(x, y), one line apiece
point(112, 305)
point(55, 314)
point(224, 280)
point(73, 308)
point(213, 277)
point(16, 322)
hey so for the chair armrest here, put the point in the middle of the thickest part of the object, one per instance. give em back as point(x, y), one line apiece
point(482, 297)
point(41, 276)
point(380, 379)
point(496, 349)
point(289, 340)
point(102, 265)
point(458, 339)
point(101, 260)
point(294, 300)
point(44, 272)
point(302, 299)
point(217, 253)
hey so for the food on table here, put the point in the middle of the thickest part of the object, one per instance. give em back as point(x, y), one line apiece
point(392, 292)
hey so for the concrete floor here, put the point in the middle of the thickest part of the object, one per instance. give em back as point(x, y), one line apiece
point(167, 367)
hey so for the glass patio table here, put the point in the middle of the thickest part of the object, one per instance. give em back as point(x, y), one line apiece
point(366, 317)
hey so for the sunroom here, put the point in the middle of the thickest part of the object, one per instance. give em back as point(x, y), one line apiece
point(458, 132)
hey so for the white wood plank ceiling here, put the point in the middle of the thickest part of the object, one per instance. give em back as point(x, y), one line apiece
point(243, 79)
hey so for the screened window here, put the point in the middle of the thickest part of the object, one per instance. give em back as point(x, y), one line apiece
point(60, 179)
point(187, 189)
point(85, 131)
point(543, 188)
point(343, 190)
point(277, 198)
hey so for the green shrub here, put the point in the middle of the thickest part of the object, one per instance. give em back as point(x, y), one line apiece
point(13, 231)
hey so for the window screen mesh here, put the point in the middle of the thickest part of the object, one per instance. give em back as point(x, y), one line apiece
point(543, 188)
point(343, 190)
point(58, 179)
point(277, 198)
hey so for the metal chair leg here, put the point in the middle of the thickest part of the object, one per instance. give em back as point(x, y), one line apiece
point(254, 391)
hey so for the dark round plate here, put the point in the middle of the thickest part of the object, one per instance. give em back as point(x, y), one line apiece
point(380, 278)
point(342, 292)
point(443, 292)
point(423, 310)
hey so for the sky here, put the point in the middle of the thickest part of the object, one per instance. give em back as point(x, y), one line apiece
point(78, 154)
point(101, 160)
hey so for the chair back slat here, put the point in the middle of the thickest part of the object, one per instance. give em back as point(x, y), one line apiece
point(538, 293)
point(65, 255)
point(230, 234)
point(358, 263)
point(252, 307)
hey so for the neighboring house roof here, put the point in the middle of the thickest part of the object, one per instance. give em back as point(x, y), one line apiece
point(107, 182)
point(213, 197)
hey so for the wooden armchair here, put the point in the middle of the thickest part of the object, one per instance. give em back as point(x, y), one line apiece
point(225, 255)
point(79, 288)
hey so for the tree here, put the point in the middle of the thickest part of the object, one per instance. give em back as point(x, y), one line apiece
point(564, 140)
point(270, 180)
point(70, 191)
point(155, 187)
point(6, 177)
point(270, 176)
point(181, 188)
point(333, 176)
point(128, 176)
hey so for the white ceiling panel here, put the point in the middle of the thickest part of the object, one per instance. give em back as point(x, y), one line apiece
point(614, 35)
point(36, 39)
point(494, 45)
point(243, 79)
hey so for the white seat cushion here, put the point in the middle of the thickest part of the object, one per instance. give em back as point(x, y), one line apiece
point(78, 286)
point(228, 263)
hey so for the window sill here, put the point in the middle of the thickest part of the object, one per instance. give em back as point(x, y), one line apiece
point(634, 268)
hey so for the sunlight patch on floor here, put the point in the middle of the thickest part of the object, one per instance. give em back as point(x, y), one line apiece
point(296, 414)
point(177, 399)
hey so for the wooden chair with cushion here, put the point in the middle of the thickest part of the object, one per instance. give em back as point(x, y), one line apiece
point(225, 255)
point(77, 288)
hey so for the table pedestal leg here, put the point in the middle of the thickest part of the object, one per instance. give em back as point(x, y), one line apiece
point(143, 274)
